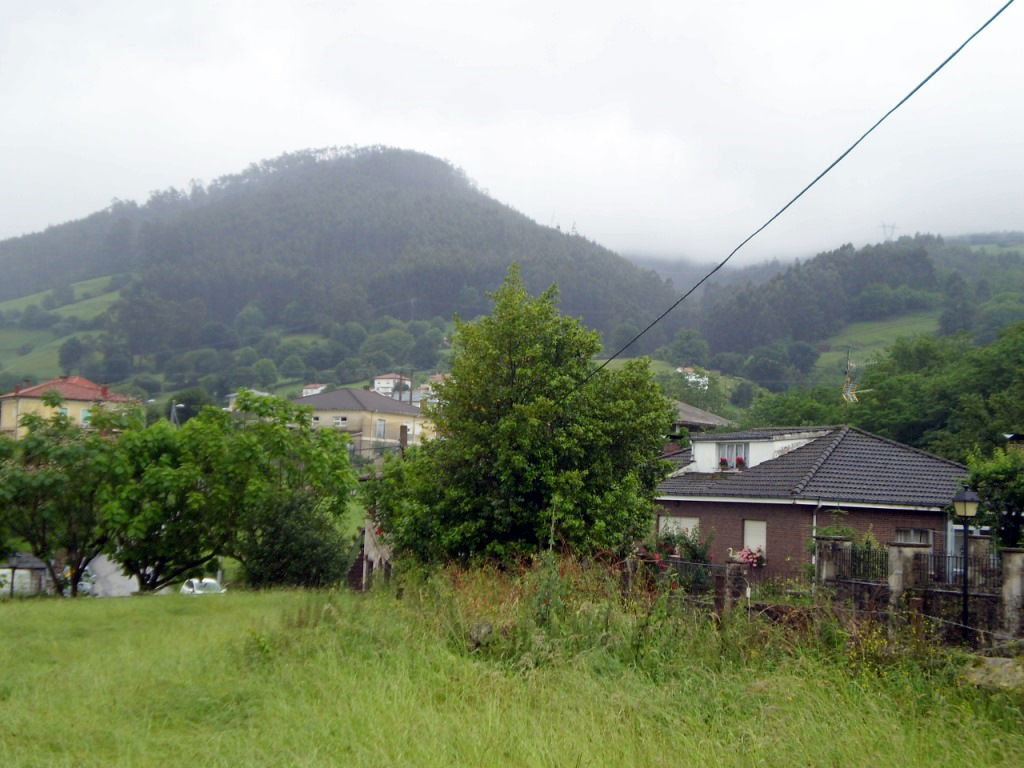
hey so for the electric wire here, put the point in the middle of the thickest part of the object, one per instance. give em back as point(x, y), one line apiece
point(793, 200)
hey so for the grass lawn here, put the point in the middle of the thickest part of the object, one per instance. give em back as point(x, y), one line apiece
point(303, 679)
point(866, 339)
point(87, 309)
point(657, 366)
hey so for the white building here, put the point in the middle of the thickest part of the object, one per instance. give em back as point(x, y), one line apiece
point(387, 383)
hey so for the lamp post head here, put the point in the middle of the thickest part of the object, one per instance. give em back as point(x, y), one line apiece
point(965, 502)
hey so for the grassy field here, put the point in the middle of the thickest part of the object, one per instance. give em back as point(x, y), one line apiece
point(89, 295)
point(867, 339)
point(300, 679)
point(91, 299)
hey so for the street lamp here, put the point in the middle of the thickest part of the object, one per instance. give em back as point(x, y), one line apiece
point(174, 418)
point(965, 504)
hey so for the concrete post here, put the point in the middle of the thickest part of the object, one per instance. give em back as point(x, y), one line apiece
point(1013, 590)
point(901, 570)
point(830, 552)
point(729, 587)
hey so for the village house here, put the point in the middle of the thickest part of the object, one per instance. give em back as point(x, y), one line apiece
point(81, 398)
point(775, 488)
point(372, 420)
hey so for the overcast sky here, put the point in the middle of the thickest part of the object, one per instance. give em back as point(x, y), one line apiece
point(661, 127)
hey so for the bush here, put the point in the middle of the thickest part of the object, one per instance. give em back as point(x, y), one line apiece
point(298, 544)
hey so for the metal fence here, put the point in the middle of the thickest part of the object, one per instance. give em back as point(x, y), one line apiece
point(863, 564)
point(984, 572)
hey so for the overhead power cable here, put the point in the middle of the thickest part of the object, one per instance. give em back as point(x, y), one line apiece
point(796, 197)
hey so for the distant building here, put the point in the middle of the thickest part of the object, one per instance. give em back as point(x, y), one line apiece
point(234, 396)
point(313, 389)
point(372, 420)
point(694, 419)
point(81, 398)
point(695, 376)
point(387, 383)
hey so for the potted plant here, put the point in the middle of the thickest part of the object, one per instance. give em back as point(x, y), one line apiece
point(741, 463)
point(723, 463)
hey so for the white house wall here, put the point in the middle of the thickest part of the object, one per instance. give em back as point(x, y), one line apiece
point(705, 452)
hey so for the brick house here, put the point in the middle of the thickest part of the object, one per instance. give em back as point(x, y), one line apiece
point(774, 488)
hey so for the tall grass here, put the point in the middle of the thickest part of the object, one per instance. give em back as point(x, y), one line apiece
point(550, 666)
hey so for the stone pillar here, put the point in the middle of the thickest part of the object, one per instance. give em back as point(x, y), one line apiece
point(1013, 590)
point(901, 570)
point(830, 552)
point(978, 546)
point(978, 549)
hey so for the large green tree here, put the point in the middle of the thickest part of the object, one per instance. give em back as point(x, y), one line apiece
point(999, 481)
point(528, 450)
point(226, 484)
point(52, 485)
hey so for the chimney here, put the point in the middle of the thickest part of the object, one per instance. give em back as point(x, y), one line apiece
point(104, 391)
point(17, 388)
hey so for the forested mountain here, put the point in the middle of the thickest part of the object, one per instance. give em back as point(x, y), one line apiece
point(339, 263)
point(332, 264)
point(319, 236)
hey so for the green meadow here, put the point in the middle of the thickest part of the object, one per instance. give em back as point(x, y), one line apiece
point(866, 339)
point(477, 668)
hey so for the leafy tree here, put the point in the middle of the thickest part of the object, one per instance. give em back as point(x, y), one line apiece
point(70, 354)
point(743, 395)
point(51, 489)
point(797, 408)
point(526, 453)
point(687, 348)
point(293, 367)
point(999, 481)
point(265, 373)
point(297, 544)
point(218, 485)
point(802, 356)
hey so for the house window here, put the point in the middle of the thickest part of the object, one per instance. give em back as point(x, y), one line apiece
point(341, 421)
point(732, 451)
point(382, 426)
point(316, 420)
point(62, 411)
point(85, 415)
point(913, 536)
point(755, 535)
point(672, 524)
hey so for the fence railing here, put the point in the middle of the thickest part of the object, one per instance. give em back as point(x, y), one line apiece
point(863, 564)
point(984, 572)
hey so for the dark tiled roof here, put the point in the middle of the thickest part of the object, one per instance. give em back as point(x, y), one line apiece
point(72, 388)
point(687, 414)
point(356, 400)
point(844, 464)
point(678, 457)
point(23, 561)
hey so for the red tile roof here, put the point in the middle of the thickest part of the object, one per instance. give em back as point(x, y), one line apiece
point(72, 388)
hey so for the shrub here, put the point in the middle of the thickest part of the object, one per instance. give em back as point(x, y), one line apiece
point(298, 544)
